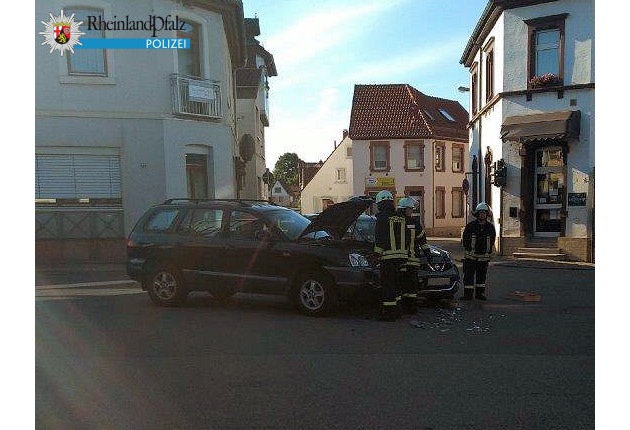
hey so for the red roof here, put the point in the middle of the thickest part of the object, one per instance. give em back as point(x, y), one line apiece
point(399, 111)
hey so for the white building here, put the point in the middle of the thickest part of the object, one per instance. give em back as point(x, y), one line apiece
point(532, 87)
point(252, 92)
point(401, 140)
point(119, 130)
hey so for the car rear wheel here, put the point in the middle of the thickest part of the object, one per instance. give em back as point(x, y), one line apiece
point(314, 295)
point(166, 287)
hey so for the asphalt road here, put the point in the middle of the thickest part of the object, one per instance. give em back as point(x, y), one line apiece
point(107, 358)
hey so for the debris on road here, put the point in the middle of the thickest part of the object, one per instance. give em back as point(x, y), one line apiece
point(523, 296)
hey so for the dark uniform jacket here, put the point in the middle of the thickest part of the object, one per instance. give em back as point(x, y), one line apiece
point(391, 238)
point(418, 245)
point(478, 240)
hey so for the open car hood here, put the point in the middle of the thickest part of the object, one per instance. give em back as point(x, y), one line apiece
point(336, 219)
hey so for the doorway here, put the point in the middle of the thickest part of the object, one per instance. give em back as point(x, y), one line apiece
point(550, 191)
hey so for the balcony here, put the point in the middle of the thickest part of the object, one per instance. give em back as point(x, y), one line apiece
point(193, 96)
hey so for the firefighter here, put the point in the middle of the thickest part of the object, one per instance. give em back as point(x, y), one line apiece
point(417, 246)
point(478, 241)
point(391, 243)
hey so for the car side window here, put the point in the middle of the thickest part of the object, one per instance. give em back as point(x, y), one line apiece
point(161, 220)
point(204, 222)
point(244, 225)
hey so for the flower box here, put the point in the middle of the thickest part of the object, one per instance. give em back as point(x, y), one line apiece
point(546, 80)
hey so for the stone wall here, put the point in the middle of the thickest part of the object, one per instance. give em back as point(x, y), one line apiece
point(576, 248)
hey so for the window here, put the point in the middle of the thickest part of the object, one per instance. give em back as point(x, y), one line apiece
point(489, 73)
point(197, 176)
point(440, 209)
point(379, 156)
point(188, 60)
point(446, 115)
point(349, 151)
point(75, 176)
point(458, 158)
point(340, 175)
point(439, 157)
point(458, 203)
point(414, 155)
point(546, 46)
point(277, 190)
point(244, 225)
point(474, 88)
point(429, 115)
point(417, 193)
point(203, 222)
point(91, 62)
point(162, 220)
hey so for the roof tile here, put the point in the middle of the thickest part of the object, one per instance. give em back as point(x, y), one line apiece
point(397, 111)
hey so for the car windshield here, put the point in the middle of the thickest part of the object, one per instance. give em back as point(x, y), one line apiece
point(289, 222)
point(363, 229)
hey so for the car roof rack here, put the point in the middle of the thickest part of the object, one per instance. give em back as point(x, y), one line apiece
point(243, 202)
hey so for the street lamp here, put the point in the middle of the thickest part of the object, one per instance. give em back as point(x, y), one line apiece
point(463, 89)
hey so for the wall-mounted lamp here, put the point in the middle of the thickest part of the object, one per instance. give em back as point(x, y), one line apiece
point(463, 89)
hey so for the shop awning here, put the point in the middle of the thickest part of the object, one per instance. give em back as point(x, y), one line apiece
point(542, 126)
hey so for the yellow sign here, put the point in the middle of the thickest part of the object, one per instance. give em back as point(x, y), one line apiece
point(387, 181)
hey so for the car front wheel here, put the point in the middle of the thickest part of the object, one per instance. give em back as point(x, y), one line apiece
point(314, 295)
point(165, 287)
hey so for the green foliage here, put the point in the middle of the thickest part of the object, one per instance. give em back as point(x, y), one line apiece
point(287, 168)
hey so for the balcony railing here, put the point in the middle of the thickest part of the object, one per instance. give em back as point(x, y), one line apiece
point(196, 96)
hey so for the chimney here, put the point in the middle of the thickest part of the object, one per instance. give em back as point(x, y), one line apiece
point(345, 134)
point(335, 144)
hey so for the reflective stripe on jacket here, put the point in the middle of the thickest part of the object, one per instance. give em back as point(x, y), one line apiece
point(478, 240)
point(391, 240)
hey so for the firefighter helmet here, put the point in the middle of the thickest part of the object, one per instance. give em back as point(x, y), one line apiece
point(384, 195)
point(483, 206)
point(406, 202)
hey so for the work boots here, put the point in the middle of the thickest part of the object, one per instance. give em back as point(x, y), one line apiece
point(480, 292)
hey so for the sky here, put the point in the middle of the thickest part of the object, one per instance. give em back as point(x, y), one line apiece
point(322, 48)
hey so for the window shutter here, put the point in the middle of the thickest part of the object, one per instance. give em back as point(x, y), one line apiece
point(77, 176)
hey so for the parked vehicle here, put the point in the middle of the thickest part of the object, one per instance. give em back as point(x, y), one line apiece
point(230, 246)
point(439, 278)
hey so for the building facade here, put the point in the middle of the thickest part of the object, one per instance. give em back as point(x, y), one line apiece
point(404, 141)
point(532, 122)
point(119, 130)
point(252, 105)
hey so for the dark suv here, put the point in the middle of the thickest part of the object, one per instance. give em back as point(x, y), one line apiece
point(230, 246)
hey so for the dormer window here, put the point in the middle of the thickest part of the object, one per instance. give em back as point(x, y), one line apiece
point(446, 115)
point(427, 113)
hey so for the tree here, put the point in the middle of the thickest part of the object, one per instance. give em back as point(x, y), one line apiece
point(287, 168)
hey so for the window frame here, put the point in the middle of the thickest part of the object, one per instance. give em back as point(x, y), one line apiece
point(339, 180)
point(440, 212)
point(545, 23)
point(195, 50)
point(460, 148)
point(489, 70)
point(375, 144)
point(440, 167)
point(459, 190)
point(474, 87)
point(97, 10)
point(414, 143)
point(413, 191)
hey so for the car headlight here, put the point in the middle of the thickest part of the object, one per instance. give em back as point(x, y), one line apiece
point(358, 260)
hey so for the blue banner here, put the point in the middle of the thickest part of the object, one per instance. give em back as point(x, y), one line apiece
point(148, 43)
